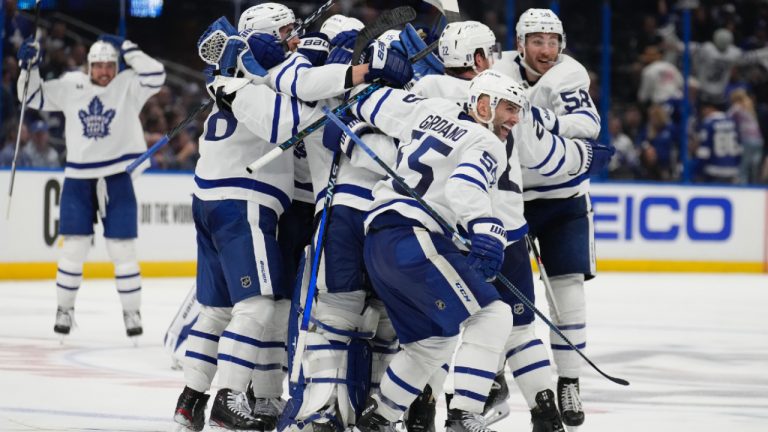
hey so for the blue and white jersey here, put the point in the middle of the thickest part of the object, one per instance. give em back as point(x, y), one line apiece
point(102, 128)
point(564, 89)
point(298, 78)
point(447, 158)
point(719, 152)
point(444, 86)
point(260, 119)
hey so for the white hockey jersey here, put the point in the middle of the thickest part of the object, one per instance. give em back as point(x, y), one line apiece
point(102, 128)
point(564, 89)
point(260, 119)
point(447, 158)
point(443, 86)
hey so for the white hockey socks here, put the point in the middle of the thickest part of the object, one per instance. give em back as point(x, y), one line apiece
point(476, 363)
point(203, 346)
point(528, 361)
point(69, 274)
point(569, 296)
point(127, 274)
point(243, 345)
point(409, 372)
point(385, 344)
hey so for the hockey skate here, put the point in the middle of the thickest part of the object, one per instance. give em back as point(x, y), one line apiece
point(465, 421)
point(190, 410)
point(231, 411)
point(267, 410)
point(132, 321)
point(544, 416)
point(370, 421)
point(569, 401)
point(496, 406)
point(420, 416)
point(65, 319)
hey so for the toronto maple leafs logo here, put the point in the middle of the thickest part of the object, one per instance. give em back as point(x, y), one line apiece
point(96, 121)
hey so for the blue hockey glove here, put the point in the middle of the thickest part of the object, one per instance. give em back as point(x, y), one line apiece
point(410, 44)
point(486, 254)
point(334, 139)
point(342, 45)
point(600, 156)
point(266, 49)
point(388, 65)
point(115, 40)
point(314, 46)
point(547, 118)
point(29, 53)
point(228, 60)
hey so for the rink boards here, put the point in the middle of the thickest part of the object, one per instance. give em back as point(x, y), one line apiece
point(638, 227)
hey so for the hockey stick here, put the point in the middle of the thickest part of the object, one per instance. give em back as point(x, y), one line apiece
point(212, 59)
point(362, 94)
point(306, 314)
point(386, 21)
point(456, 236)
point(21, 115)
point(544, 277)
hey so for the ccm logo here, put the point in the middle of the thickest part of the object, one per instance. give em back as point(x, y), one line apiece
point(662, 218)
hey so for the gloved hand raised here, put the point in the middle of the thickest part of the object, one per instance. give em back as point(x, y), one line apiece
point(387, 64)
point(29, 53)
point(314, 46)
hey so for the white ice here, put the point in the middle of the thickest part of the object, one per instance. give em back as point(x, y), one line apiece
point(694, 348)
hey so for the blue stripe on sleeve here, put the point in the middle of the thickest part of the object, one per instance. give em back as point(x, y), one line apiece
point(275, 119)
point(472, 180)
point(562, 159)
point(549, 156)
point(282, 71)
point(475, 167)
point(378, 106)
point(573, 182)
point(588, 114)
point(296, 76)
point(146, 74)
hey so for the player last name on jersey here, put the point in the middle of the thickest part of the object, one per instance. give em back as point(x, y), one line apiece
point(445, 128)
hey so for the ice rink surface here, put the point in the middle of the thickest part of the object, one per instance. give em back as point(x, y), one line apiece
point(694, 347)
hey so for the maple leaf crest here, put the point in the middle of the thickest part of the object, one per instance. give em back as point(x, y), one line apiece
point(96, 120)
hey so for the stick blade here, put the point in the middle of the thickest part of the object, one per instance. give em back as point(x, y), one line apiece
point(387, 20)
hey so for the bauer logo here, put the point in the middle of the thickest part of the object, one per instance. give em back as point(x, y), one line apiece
point(663, 218)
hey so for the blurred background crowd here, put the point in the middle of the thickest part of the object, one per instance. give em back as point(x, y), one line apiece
point(727, 98)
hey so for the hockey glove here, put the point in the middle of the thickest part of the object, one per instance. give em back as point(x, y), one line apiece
point(223, 95)
point(115, 40)
point(334, 139)
point(29, 53)
point(388, 65)
point(599, 156)
point(547, 118)
point(314, 46)
point(410, 44)
point(266, 49)
point(486, 254)
point(342, 44)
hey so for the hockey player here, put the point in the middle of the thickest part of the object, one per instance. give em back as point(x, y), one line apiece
point(428, 286)
point(466, 48)
point(557, 206)
point(103, 135)
point(237, 289)
point(718, 151)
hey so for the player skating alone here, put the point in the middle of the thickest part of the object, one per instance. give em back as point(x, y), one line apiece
point(557, 205)
point(103, 135)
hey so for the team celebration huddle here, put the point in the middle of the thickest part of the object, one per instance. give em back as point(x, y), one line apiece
point(365, 204)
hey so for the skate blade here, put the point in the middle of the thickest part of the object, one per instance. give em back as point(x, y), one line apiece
point(216, 427)
point(496, 414)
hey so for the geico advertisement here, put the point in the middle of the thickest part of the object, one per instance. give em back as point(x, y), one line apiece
point(672, 222)
point(31, 234)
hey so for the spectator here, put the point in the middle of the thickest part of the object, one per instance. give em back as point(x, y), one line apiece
point(39, 151)
point(658, 145)
point(661, 81)
point(6, 153)
point(717, 151)
point(10, 74)
point(742, 112)
point(625, 163)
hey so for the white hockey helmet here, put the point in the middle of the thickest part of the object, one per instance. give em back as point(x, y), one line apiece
point(539, 21)
point(340, 23)
point(266, 18)
point(460, 40)
point(102, 51)
point(497, 87)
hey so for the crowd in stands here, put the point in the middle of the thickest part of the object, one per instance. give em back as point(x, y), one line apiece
point(727, 100)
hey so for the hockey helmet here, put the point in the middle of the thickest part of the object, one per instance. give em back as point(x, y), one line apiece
point(102, 51)
point(539, 21)
point(266, 18)
point(497, 87)
point(460, 40)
